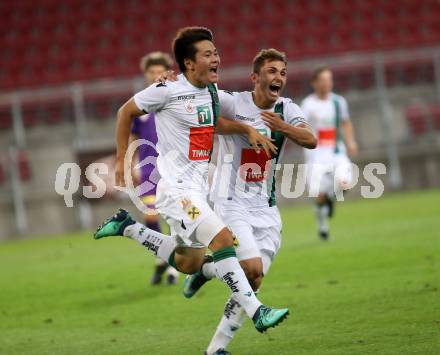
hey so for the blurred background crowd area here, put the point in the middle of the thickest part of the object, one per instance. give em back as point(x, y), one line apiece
point(66, 67)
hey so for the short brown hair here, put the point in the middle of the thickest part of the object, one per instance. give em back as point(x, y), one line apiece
point(156, 58)
point(271, 55)
point(317, 72)
point(183, 44)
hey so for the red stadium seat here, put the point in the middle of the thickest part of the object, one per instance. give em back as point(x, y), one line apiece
point(24, 166)
point(417, 120)
point(434, 110)
point(5, 117)
point(66, 41)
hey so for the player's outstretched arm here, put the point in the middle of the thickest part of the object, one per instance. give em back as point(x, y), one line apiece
point(300, 134)
point(349, 139)
point(255, 138)
point(126, 115)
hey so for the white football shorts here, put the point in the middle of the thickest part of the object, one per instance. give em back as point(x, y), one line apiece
point(192, 221)
point(329, 178)
point(257, 232)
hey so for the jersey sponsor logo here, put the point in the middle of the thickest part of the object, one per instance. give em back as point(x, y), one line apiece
point(200, 143)
point(243, 118)
point(254, 166)
point(204, 115)
point(186, 97)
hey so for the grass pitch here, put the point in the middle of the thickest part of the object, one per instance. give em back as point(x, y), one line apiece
point(373, 289)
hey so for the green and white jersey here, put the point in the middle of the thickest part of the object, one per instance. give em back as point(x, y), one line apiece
point(242, 175)
point(325, 118)
point(185, 118)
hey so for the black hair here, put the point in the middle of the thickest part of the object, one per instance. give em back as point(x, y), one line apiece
point(184, 43)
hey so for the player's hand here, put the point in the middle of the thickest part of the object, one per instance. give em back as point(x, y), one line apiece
point(352, 148)
point(169, 75)
point(259, 141)
point(120, 173)
point(273, 121)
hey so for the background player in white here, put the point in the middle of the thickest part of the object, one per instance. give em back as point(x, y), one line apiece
point(186, 111)
point(243, 189)
point(329, 169)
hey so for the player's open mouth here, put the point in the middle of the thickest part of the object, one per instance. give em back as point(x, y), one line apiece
point(275, 88)
point(213, 70)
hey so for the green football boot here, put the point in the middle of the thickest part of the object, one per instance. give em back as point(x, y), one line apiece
point(115, 225)
point(266, 317)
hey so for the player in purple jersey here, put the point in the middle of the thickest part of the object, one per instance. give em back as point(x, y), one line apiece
point(144, 127)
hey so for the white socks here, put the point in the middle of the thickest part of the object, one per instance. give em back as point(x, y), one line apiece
point(231, 273)
point(232, 320)
point(322, 212)
point(209, 270)
point(160, 244)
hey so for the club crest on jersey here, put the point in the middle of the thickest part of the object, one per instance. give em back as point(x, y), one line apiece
point(192, 211)
point(189, 107)
point(204, 114)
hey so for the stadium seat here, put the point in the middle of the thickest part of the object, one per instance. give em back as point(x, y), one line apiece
point(24, 167)
point(417, 119)
point(106, 39)
point(434, 110)
point(5, 117)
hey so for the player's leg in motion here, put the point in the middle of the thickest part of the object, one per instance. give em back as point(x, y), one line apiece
point(256, 256)
point(189, 260)
point(234, 315)
point(152, 222)
point(121, 224)
point(324, 211)
point(324, 207)
point(228, 269)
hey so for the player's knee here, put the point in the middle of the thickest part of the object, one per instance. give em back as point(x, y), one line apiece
point(222, 240)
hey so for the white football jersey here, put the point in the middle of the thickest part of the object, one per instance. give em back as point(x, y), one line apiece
point(322, 117)
point(242, 174)
point(185, 131)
